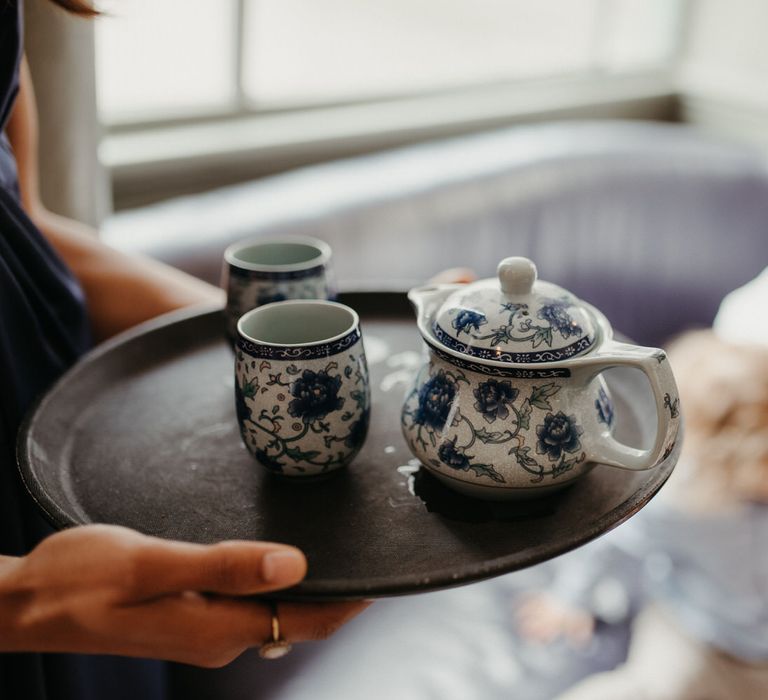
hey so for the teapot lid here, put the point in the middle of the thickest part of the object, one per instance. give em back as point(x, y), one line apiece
point(515, 318)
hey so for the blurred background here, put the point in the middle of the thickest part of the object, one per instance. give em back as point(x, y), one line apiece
point(342, 75)
point(188, 96)
point(621, 144)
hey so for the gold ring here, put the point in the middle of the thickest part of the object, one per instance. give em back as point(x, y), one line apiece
point(277, 646)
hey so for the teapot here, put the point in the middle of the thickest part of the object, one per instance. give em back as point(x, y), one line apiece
point(511, 402)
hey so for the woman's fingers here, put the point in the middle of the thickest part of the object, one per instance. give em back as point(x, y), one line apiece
point(212, 631)
point(136, 567)
point(106, 589)
point(229, 568)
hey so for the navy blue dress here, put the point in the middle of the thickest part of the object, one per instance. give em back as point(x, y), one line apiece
point(43, 330)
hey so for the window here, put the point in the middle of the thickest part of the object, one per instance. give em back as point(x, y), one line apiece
point(164, 60)
point(195, 94)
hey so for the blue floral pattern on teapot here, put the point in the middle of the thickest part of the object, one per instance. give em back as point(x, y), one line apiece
point(511, 401)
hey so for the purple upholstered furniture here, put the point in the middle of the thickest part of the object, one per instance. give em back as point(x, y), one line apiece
point(652, 222)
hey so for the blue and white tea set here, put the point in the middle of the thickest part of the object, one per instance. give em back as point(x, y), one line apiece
point(510, 401)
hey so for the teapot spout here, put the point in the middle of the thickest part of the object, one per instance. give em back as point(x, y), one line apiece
point(427, 300)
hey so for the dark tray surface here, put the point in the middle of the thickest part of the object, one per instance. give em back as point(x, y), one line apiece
point(142, 433)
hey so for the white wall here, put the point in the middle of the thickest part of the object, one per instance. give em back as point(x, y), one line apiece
point(723, 76)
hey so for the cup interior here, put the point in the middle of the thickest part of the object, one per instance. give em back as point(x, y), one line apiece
point(297, 322)
point(278, 254)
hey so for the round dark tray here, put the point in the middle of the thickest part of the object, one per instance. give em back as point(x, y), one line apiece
point(142, 433)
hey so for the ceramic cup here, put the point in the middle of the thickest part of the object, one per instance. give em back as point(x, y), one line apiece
point(301, 386)
point(262, 271)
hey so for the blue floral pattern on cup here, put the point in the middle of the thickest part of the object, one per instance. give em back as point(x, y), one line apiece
point(247, 290)
point(263, 271)
point(358, 431)
point(315, 395)
point(267, 296)
point(303, 417)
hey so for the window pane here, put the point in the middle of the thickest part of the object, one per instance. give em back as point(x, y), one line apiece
point(159, 58)
point(639, 33)
point(319, 50)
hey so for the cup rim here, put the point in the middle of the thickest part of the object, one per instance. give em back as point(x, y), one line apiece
point(355, 322)
point(324, 253)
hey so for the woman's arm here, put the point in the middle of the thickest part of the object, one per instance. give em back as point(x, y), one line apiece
point(109, 590)
point(121, 290)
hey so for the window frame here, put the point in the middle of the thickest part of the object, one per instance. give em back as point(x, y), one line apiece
point(128, 154)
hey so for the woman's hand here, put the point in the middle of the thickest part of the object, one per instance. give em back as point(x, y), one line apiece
point(110, 590)
point(543, 619)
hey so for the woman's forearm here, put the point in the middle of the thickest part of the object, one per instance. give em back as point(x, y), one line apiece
point(12, 605)
point(121, 289)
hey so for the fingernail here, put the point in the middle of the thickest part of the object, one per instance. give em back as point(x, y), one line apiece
point(283, 566)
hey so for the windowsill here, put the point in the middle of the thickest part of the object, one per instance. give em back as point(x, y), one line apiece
point(187, 158)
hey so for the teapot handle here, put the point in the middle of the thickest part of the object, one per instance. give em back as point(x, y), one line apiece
point(654, 363)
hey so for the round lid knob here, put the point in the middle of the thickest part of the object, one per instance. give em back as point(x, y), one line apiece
point(517, 276)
